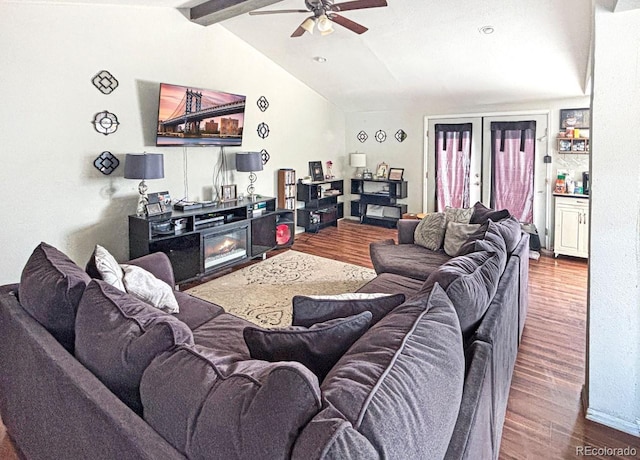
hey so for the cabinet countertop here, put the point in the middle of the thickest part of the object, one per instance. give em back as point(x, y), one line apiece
point(571, 195)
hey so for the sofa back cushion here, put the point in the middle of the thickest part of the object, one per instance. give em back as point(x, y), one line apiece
point(481, 214)
point(396, 392)
point(207, 408)
point(470, 282)
point(118, 335)
point(487, 238)
point(51, 286)
point(430, 232)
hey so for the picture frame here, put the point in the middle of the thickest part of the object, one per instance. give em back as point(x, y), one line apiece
point(382, 170)
point(575, 118)
point(229, 193)
point(315, 170)
point(396, 173)
point(154, 209)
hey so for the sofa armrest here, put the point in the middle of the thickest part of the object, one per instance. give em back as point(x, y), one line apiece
point(406, 229)
point(158, 264)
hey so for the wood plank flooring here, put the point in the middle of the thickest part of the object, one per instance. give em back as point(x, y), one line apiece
point(544, 417)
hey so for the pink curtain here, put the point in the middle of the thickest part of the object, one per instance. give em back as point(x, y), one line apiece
point(453, 160)
point(513, 145)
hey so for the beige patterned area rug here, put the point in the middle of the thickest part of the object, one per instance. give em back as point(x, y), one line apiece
point(262, 292)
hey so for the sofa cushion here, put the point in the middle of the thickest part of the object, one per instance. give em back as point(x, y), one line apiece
point(511, 232)
point(430, 231)
point(142, 284)
point(408, 260)
point(459, 215)
point(456, 235)
point(489, 239)
point(481, 214)
point(470, 282)
point(195, 312)
point(118, 335)
point(51, 286)
point(308, 310)
point(318, 347)
point(246, 410)
point(396, 392)
point(393, 284)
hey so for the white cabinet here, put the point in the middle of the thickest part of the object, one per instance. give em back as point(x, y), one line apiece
point(571, 235)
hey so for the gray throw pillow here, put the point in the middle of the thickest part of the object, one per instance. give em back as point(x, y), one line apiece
point(51, 286)
point(456, 235)
point(429, 233)
point(118, 335)
point(460, 215)
point(309, 310)
point(481, 214)
point(318, 347)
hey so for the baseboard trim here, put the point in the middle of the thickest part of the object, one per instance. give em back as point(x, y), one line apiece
point(613, 422)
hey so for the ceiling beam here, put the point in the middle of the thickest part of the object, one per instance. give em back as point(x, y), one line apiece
point(213, 11)
point(625, 5)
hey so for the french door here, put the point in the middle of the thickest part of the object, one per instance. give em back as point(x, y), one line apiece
point(497, 160)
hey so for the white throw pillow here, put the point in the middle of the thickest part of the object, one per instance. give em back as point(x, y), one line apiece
point(429, 233)
point(108, 268)
point(461, 215)
point(457, 234)
point(146, 287)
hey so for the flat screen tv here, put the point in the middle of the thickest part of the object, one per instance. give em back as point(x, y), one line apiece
point(199, 117)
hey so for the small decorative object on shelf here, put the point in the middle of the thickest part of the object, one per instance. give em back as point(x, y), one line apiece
point(315, 169)
point(396, 173)
point(105, 122)
point(329, 175)
point(106, 163)
point(575, 118)
point(368, 175)
point(382, 170)
point(105, 82)
point(229, 193)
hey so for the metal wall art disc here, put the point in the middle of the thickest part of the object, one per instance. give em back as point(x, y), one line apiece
point(362, 136)
point(105, 122)
point(263, 130)
point(265, 156)
point(105, 82)
point(401, 135)
point(381, 136)
point(106, 163)
point(263, 104)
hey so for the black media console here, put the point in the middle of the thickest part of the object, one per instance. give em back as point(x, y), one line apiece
point(204, 240)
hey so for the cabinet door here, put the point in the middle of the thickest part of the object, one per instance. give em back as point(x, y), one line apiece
point(584, 233)
point(568, 229)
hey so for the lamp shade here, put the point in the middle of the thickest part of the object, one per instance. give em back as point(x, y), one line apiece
point(144, 166)
point(249, 161)
point(358, 160)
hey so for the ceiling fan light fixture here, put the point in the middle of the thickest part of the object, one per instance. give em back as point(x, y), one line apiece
point(308, 25)
point(325, 26)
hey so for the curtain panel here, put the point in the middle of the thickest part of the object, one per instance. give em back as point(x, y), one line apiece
point(453, 162)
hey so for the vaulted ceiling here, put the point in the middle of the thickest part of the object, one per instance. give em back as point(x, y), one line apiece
point(431, 54)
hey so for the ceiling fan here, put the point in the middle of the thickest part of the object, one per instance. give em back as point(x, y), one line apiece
point(325, 13)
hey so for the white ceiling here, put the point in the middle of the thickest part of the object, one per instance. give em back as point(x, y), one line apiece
point(427, 54)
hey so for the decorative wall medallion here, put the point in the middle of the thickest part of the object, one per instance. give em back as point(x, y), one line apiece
point(106, 163)
point(401, 135)
point(265, 156)
point(362, 136)
point(381, 136)
point(105, 122)
point(263, 104)
point(263, 130)
point(105, 82)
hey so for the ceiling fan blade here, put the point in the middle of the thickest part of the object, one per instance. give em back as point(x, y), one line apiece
point(348, 23)
point(254, 13)
point(358, 5)
point(298, 32)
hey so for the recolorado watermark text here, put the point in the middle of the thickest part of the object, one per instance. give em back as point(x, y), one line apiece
point(591, 451)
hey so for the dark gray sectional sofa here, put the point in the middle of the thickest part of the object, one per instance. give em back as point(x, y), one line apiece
point(87, 371)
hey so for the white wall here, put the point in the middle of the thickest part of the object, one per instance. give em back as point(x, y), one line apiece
point(613, 376)
point(51, 191)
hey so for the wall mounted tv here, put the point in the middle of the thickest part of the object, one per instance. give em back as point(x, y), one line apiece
point(199, 117)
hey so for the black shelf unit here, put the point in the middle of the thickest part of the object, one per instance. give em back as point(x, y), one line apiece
point(321, 205)
point(378, 202)
point(184, 235)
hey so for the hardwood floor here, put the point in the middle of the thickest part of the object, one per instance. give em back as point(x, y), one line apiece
point(544, 417)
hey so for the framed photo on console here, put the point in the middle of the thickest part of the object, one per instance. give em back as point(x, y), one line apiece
point(229, 193)
point(396, 173)
point(382, 170)
point(315, 170)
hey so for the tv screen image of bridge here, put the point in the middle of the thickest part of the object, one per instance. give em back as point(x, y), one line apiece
point(197, 116)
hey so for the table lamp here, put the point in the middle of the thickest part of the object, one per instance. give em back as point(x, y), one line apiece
point(143, 166)
point(249, 162)
point(358, 160)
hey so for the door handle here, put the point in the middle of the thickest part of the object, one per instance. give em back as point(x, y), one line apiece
point(580, 218)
